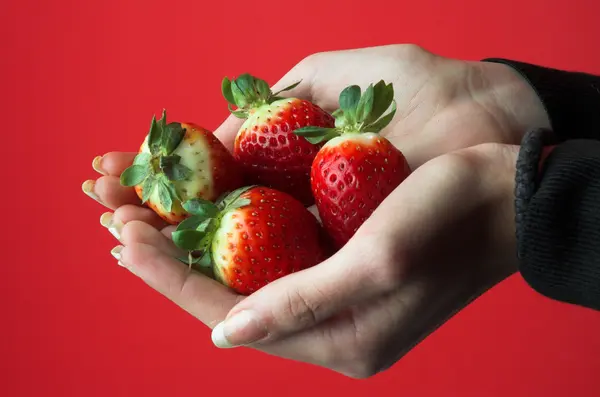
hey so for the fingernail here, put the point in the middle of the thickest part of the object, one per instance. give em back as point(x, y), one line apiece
point(114, 226)
point(116, 252)
point(97, 165)
point(243, 328)
point(88, 188)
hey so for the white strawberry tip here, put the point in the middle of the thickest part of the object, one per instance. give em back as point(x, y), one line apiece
point(195, 234)
point(358, 113)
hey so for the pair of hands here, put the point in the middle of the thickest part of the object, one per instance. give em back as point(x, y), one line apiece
point(443, 237)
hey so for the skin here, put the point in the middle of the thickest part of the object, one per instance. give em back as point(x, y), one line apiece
point(442, 238)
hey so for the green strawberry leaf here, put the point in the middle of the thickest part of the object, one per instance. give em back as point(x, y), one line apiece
point(165, 195)
point(239, 203)
point(168, 161)
point(174, 193)
point(201, 207)
point(244, 83)
point(240, 114)
point(383, 95)
point(226, 90)
point(134, 175)
point(289, 87)
point(317, 135)
point(190, 240)
point(148, 188)
point(226, 199)
point(365, 105)
point(322, 138)
point(262, 88)
point(337, 113)
point(191, 223)
point(312, 131)
point(349, 98)
point(382, 122)
point(239, 97)
point(177, 172)
point(162, 123)
point(205, 260)
point(154, 137)
point(142, 159)
point(208, 226)
point(172, 136)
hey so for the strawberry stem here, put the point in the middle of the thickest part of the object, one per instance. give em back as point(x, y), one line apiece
point(159, 168)
point(247, 93)
point(358, 113)
point(195, 234)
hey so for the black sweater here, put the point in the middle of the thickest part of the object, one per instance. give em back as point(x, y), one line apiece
point(557, 196)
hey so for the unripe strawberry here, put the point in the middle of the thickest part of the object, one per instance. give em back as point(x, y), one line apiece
point(178, 162)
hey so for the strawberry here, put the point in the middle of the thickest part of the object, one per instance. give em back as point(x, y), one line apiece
point(265, 145)
point(177, 162)
point(356, 169)
point(250, 237)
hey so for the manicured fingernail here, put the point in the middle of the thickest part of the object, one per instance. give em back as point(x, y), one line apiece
point(88, 188)
point(114, 226)
point(116, 252)
point(243, 328)
point(97, 165)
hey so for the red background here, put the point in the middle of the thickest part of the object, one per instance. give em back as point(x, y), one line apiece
point(80, 78)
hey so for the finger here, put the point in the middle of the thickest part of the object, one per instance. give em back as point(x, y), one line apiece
point(131, 212)
point(137, 232)
point(302, 73)
point(108, 191)
point(113, 163)
point(301, 300)
point(202, 297)
point(227, 131)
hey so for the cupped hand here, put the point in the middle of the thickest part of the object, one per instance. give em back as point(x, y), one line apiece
point(439, 240)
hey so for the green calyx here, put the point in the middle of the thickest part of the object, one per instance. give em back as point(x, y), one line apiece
point(358, 112)
point(195, 234)
point(248, 92)
point(159, 168)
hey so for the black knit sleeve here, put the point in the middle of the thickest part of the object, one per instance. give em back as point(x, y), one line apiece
point(558, 219)
point(571, 99)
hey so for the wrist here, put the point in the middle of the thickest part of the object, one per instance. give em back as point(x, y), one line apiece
point(519, 106)
point(496, 166)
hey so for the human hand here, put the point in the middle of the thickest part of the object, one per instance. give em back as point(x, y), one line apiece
point(439, 240)
point(442, 104)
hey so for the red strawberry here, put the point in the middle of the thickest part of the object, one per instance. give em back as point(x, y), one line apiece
point(357, 168)
point(265, 145)
point(250, 237)
point(178, 162)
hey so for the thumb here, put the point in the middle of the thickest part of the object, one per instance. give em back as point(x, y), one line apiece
point(358, 272)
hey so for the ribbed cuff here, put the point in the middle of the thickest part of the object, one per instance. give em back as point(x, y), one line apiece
point(571, 99)
point(529, 165)
point(558, 219)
